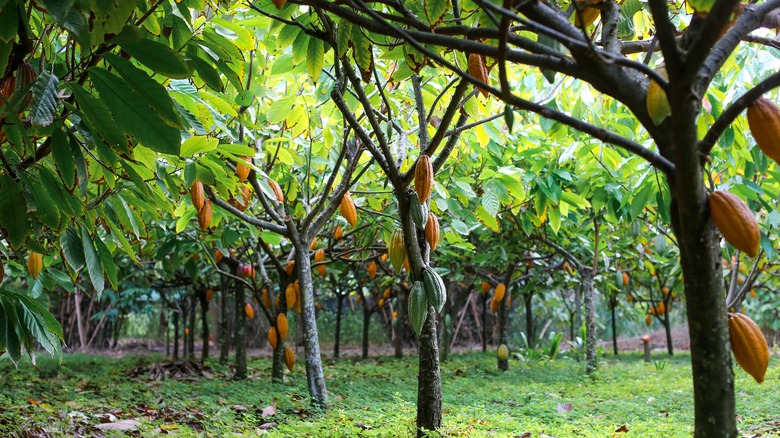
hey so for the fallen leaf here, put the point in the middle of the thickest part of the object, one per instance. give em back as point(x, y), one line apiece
point(269, 411)
point(120, 425)
point(525, 435)
point(363, 426)
point(622, 428)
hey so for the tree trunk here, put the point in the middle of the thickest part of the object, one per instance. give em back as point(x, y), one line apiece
point(668, 329)
point(484, 322)
point(277, 364)
point(176, 334)
point(224, 326)
point(444, 349)
point(591, 361)
point(429, 378)
point(204, 313)
point(529, 319)
point(191, 338)
point(503, 364)
point(400, 325)
point(240, 331)
point(337, 340)
point(366, 324)
point(613, 303)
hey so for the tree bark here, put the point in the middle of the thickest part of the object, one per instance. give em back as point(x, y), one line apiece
point(400, 325)
point(366, 325)
point(668, 328)
point(337, 337)
point(224, 326)
point(204, 313)
point(613, 302)
point(240, 333)
point(176, 334)
point(529, 318)
point(484, 322)
point(191, 338)
point(429, 378)
point(591, 361)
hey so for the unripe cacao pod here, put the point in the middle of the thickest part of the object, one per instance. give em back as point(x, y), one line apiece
point(434, 288)
point(242, 170)
point(419, 212)
point(764, 121)
point(277, 189)
point(249, 310)
point(338, 232)
point(503, 352)
point(34, 264)
point(347, 209)
point(418, 306)
point(196, 193)
point(423, 178)
point(498, 295)
point(204, 215)
point(432, 231)
point(372, 270)
point(272, 337)
point(656, 102)
point(478, 70)
point(485, 287)
point(735, 222)
point(282, 326)
point(748, 345)
point(397, 249)
point(289, 358)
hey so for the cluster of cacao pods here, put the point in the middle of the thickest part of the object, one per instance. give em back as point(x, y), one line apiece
point(202, 205)
point(498, 296)
point(292, 295)
point(748, 345)
point(430, 290)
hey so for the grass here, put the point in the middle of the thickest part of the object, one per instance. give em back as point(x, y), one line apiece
point(373, 398)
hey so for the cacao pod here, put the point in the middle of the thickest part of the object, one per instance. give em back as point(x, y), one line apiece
point(186, 332)
point(503, 352)
point(372, 270)
point(218, 256)
point(25, 76)
point(359, 298)
point(313, 244)
point(277, 190)
point(432, 231)
point(242, 170)
point(406, 265)
point(386, 293)
point(478, 70)
point(589, 15)
point(34, 264)
point(735, 222)
point(246, 194)
point(434, 288)
point(196, 193)
point(383, 258)
point(648, 320)
point(764, 121)
point(418, 306)
point(752, 291)
point(279, 3)
point(381, 302)
point(485, 287)
point(625, 279)
point(204, 215)
point(319, 256)
point(338, 232)
point(423, 178)
point(397, 249)
point(665, 291)
point(508, 301)
point(298, 300)
point(629, 298)
point(749, 345)
point(249, 310)
point(494, 306)
point(290, 295)
point(347, 209)
point(272, 337)
point(209, 294)
point(656, 101)
point(660, 309)
point(282, 327)
point(289, 358)
point(498, 295)
point(419, 212)
point(266, 299)
point(290, 267)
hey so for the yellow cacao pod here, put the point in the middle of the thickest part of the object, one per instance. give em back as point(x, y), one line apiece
point(338, 232)
point(498, 295)
point(34, 264)
point(266, 299)
point(735, 222)
point(503, 352)
point(656, 101)
point(272, 337)
point(196, 193)
point(277, 189)
point(660, 309)
point(381, 302)
point(319, 256)
point(372, 270)
point(313, 244)
point(749, 345)
point(764, 122)
point(347, 209)
point(485, 287)
point(494, 306)
point(204, 215)
point(589, 15)
point(282, 327)
point(432, 231)
point(289, 358)
point(386, 293)
point(290, 295)
point(397, 249)
point(423, 178)
point(242, 170)
point(478, 70)
point(249, 310)
point(290, 267)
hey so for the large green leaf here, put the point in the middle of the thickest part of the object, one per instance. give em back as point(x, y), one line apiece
point(159, 58)
point(60, 151)
point(315, 58)
point(94, 267)
point(107, 260)
point(72, 249)
point(97, 115)
point(44, 103)
point(13, 212)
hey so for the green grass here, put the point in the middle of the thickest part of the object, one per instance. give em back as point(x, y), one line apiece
point(374, 398)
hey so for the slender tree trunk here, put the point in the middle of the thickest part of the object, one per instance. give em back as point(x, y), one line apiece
point(191, 338)
point(400, 325)
point(204, 314)
point(79, 320)
point(240, 335)
point(444, 348)
point(591, 360)
point(167, 337)
point(429, 378)
point(366, 324)
point(529, 318)
point(277, 364)
point(224, 326)
point(484, 322)
point(176, 334)
point(612, 303)
point(668, 329)
point(337, 340)
point(503, 364)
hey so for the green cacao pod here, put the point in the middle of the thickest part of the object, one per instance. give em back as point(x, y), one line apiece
point(419, 212)
point(397, 250)
point(434, 288)
point(418, 306)
point(503, 352)
point(636, 228)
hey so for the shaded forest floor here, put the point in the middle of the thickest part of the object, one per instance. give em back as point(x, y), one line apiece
point(84, 395)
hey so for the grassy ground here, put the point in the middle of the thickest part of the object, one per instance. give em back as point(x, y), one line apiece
point(373, 398)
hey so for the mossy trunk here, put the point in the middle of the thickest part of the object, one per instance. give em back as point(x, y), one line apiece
point(591, 360)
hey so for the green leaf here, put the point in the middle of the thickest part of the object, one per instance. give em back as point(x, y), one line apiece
point(45, 209)
point(435, 10)
point(159, 58)
point(197, 145)
point(44, 103)
point(207, 73)
point(60, 151)
point(315, 58)
point(107, 260)
point(72, 249)
point(279, 109)
point(97, 115)
point(93, 263)
point(489, 220)
point(490, 202)
point(9, 20)
point(13, 212)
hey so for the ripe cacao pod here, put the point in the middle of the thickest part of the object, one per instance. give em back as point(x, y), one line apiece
point(289, 358)
point(272, 337)
point(503, 352)
point(386, 293)
point(418, 306)
point(418, 211)
point(397, 249)
point(735, 222)
point(290, 295)
point(196, 193)
point(249, 310)
point(749, 345)
point(209, 294)
point(242, 170)
point(279, 3)
point(204, 215)
point(347, 209)
point(589, 15)
point(498, 295)
point(752, 291)
point(381, 302)
point(319, 256)
point(423, 178)
point(34, 264)
point(665, 291)
point(277, 189)
point(338, 232)
point(648, 320)
point(313, 244)
point(656, 101)
point(218, 256)
point(384, 257)
point(432, 231)
point(660, 309)
point(282, 326)
point(494, 306)
point(629, 298)
point(372, 270)
point(764, 121)
point(485, 287)
point(434, 288)
point(625, 279)
point(266, 299)
point(290, 267)
point(478, 70)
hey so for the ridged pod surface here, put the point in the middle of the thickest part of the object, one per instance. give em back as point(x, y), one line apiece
point(656, 101)
point(319, 256)
point(735, 222)
point(289, 358)
point(196, 193)
point(372, 270)
point(272, 337)
point(418, 306)
point(277, 189)
point(290, 295)
point(498, 295)
point(34, 264)
point(418, 211)
point(423, 178)
point(338, 232)
point(397, 250)
point(282, 326)
point(347, 209)
point(249, 310)
point(764, 122)
point(749, 345)
point(290, 267)
point(434, 288)
point(242, 170)
point(503, 352)
point(204, 215)
point(432, 231)
point(478, 70)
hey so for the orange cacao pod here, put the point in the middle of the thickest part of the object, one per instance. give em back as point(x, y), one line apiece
point(279, 3)
point(478, 70)
point(290, 267)
point(406, 265)
point(423, 178)
point(290, 295)
point(485, 287)
point(266, 299)
point(319, 256)
point(372, 270)
point(209, 294)
point(34, 264)
point(196, 193)
point(204, 215)
point(432, 231)
point(277, 190)
point(764, 121)
point(494, 306)
point(384, 257)
point(735, 222)
point(218, 256)
point(648, 320)
point(381, 302)
point(282, 327)
point(625, 279)
point(338, 232)
point(347, 209)
point(749, 345)
point(665, 291)
point(242, 170)
point(272, 337)
point(313, 244)
point(289, 358)
point(386, 293)
point(498, 295)
point(249, 310)
point(660, 309)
